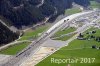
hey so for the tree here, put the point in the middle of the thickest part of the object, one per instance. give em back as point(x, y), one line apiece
point(80, 35)
point(93, 31)
point(98, 39)
point(94, 46)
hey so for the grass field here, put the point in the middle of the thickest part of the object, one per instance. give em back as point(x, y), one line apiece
point(94, 4)
point(91, 29)
point(33, 33)
point(65, 37)
point(62, 32)
point(72, 11)
point(14, 49)
point(28, 35)
point(76, 49)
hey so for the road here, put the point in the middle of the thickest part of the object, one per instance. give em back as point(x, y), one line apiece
point(34, 26)
point(16, 60)
point(33, 61)
point(13, 43)
point(41, 55)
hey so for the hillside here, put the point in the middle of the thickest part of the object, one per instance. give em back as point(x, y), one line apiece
point(20, 13)
point(28, 12)
point(6, 35)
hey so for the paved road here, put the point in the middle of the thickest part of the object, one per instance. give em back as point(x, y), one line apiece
point(16, 60)
point(4, 58)
point(54, 44)
point(80, 30)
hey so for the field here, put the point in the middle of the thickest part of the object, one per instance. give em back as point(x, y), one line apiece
point(76, 49)
point(14, 49)
point(62, 32)
point(72, 11)
point(95, 4)
point(65, 37)
point(34, 33)
point(30, 34)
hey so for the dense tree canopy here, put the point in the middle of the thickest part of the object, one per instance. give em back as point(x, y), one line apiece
point(26, 12)
point(6, 35)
